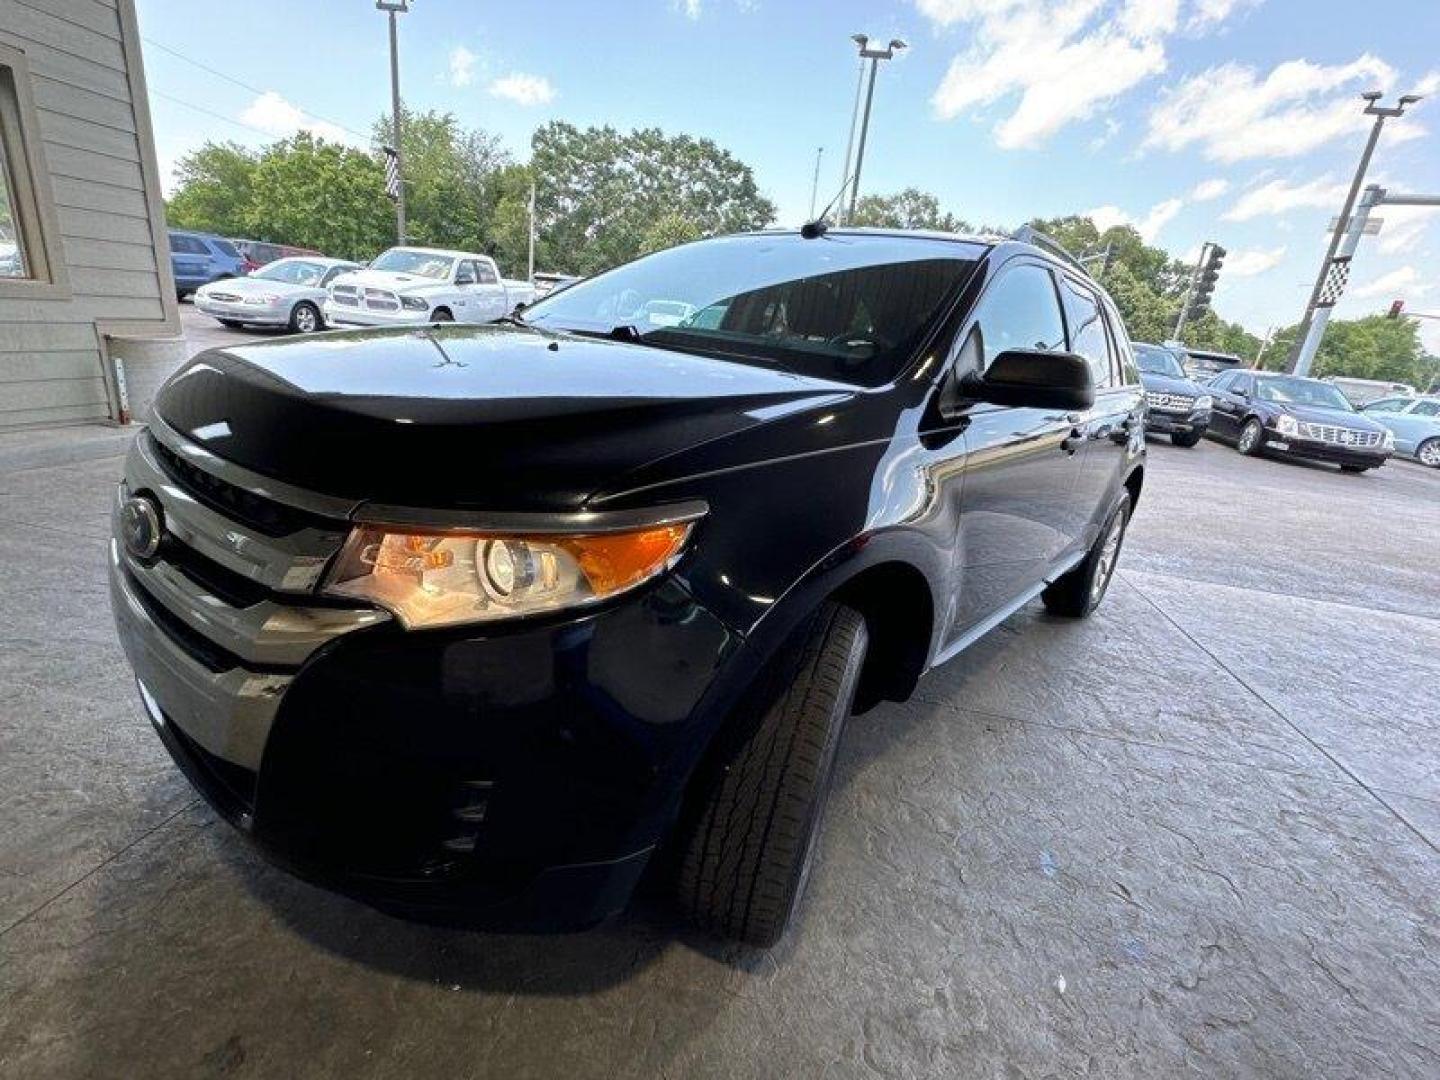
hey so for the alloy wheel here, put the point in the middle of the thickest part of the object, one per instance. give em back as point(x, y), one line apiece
point(305, 320)
point(1109, 555)
point(1430, 453)
point(1249, 437)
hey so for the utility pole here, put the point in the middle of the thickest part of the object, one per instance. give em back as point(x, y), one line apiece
point(874, 56)
point(396, 7)
point(530, 277)
point(1304, 345)
point(1338, 264)
point(1190, 289)
point(1269, 336)
point(859, 39)
point(815, 182)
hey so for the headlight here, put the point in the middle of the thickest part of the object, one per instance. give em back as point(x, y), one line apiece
point(1388, 442)
point(1286, 425)
point(415, 303)
point(444, 578)
point(1204, 401)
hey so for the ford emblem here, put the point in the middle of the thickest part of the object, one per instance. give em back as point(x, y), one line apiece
point(140, 529)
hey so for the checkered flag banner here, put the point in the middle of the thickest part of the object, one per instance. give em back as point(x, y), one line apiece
point(1335, 281)
point(392, 172)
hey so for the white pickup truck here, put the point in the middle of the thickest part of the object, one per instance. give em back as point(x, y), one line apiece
point(407, 285)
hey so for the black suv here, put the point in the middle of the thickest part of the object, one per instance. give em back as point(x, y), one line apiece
point(1175, 404)
point(483, 620)
point(1289, 416)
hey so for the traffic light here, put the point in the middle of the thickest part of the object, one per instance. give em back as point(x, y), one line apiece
point(1205, 284)
point(1396, 307)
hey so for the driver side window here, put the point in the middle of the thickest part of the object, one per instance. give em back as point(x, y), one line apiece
point(1021, 311)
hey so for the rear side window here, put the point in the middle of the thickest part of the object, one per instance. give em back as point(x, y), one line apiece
point(1021, 311)
point(484, 275)
point(227, 249)
point(1087, 332)
point(186, 245)
point(1426, 408)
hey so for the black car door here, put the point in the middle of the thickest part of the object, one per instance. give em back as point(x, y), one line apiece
point(1020, 506)
point(1230, 403)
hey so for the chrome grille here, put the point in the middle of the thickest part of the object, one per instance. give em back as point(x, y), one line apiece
point(225, 297)
point(345, 294)
point(1169, 402)
point(381, 300)
point(1339, 436)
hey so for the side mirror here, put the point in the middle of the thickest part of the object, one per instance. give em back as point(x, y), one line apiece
point(1034, 379)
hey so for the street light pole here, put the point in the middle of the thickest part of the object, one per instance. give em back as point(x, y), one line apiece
point(1308, 329)
point(874, 56)
point(396, 7)
point(815, 182)
point(859, 39)
point(1355, 227)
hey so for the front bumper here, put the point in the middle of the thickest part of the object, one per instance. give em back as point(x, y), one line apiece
point(515, 777)
point(1329, 453)
point(355, 315)
point(258, 315)
point(1163, 422)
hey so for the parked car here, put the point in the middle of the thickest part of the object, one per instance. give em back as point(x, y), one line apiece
point(546, 283)
point(11, 264)
point(1415, 424)
point(258, 253)
point(1261, 411)
point(1175, 405)
point(199, 258)
point(553, 596)
point(1202, 364)
point(422, 285)
point(287, 292)
point(1361, 392)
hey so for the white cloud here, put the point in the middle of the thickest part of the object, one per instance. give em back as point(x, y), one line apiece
point(1276, 196)
point(272, 113)
point(1049, 63)
point(1210, 189)
point(1403, 283)
point(1404, 227)
point(1429, 84)
point(462, 66)
point(1149, 226)
point(1233, 113)
point(1252, 262)
point(524, 89)
point(691, 8)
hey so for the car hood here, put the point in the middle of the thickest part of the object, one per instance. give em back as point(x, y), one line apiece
point(483, 417)
point(1317, 415)
point(388, 279)
point(248, 286)
point(1168, 384)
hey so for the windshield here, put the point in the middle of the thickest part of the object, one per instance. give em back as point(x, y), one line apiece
point(845, 307)
point(1158, 361)
point(292, 272)
point(420, 263)
point(1288, 390)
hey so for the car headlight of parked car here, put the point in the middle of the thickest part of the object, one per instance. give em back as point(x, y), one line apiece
point(1286, 425)
point(1388, 441)
point(1204, 403)
point(445, 578)
point(415, 303)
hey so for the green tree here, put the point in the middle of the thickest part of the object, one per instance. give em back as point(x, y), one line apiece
point(449, 173)
point(907, 209)
point(600, 192)
point(213, 189)
point(1374, 347)
point(321, 195)
point(669, 231)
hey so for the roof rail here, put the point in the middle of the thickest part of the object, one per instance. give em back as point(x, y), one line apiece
point(1028, 235)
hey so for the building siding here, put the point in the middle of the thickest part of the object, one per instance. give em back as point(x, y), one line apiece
point(53, 362)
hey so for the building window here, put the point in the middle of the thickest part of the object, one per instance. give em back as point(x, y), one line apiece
point(29, 256)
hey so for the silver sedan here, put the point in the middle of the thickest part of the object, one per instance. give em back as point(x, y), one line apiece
point(287, 292)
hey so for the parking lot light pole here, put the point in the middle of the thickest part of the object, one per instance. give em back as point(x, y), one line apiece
point(1307, 341)
point(396, 7)
point(874, 56)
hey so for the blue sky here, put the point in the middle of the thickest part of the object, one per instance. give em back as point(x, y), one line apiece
point(1228, 120)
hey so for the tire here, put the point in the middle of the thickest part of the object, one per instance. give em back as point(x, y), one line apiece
point(1251, 439)
point(1428, 453)
point(1189, 439)
point(747, 857)
point(442, 315)
point(1078, 593)
point(1354, 468)
point(233, 324)
point(305, 318)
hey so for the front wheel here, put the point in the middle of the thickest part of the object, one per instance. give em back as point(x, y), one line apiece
point(1428, 453)
point(442, 315)
point(1251, 436)
point(233, 324)
point(1079, 592)
point(305, 319)
point(1354, 468)
point(747, 858)
point(1187, 439)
